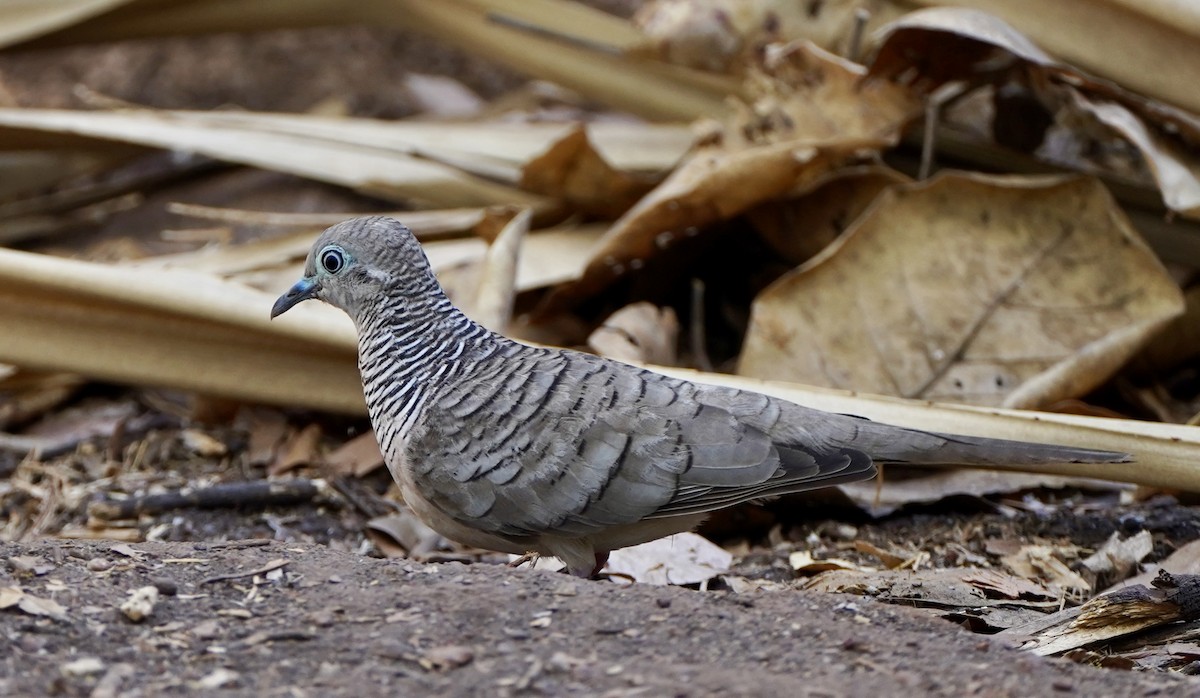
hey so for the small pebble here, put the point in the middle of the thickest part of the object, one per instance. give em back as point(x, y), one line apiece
point(662, 602)
point(83, 666)
point(99, 564)
point(447, 657)
point(165, 585)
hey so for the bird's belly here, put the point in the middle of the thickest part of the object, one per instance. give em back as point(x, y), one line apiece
point(449, 527)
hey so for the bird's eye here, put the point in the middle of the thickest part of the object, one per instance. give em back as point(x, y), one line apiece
point(332, 260)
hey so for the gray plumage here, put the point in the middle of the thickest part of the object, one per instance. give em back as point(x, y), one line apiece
point(515, 448)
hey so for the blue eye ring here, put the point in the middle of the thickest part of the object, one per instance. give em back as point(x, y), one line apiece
point(332, 259)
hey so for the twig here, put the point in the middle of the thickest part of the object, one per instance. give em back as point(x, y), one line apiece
point(699, 348)
point(225, 495)
point(861, 16)
point(269, 567)
point(933, 109)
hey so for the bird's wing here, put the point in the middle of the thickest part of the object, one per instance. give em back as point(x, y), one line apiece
point(569, 444)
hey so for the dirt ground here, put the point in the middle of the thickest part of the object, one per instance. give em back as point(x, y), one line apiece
point(333, 623)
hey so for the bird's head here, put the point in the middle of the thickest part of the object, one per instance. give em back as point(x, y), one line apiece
point(358, 264)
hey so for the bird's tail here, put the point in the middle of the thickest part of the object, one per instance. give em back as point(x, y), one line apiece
point(900, 445)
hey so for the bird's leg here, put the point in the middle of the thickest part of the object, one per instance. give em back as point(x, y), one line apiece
point(530, 557)
point(601, 561)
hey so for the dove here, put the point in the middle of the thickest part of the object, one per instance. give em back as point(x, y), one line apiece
point(522, 449)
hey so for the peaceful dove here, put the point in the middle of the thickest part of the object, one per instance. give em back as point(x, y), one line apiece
point(518, 449)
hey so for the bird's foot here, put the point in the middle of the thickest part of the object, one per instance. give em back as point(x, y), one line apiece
point(601, 561)
point(531, 557)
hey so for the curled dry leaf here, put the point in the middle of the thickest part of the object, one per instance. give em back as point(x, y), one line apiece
point(1176, 171)
point(1158, 40)
point(935, 46)
point(968, 288)
point(810, 112)
point(955, 43)
point(491, 303)
point(33, 605)
point(639, 332)
point(571, 170)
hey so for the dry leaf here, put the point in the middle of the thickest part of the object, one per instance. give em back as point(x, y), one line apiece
point(639, 332)
point(33, 605)
point(1185, 560)
point(798, 228)
point(957, 44)
point(403, 535)
point(1159, 40)
point(810, 112)
point(883, 497)
point(719, 35)
point(301, 449)
point(684, 558)
point(491, 303)
point(941, 588)
point(1041, 562)
point(358, 456)
point(888, 558)
point(1119, 556)
point(803, 562)
point(1175, 169)
point(993, 290)
point(997, 584)
point(572, 171)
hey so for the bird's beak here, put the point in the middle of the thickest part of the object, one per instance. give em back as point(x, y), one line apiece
point(303, 290)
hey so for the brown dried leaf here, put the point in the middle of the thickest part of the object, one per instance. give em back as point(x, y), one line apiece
point(33, 605)
point(403, 535)
point(798, 228)
point(301, 449)
point(956, 43)
point(1041, 562)
point(572, 171)
point(1175, 169)
point(998, 584)
point(944, 44)
point(888, 558)
point(969, 288)
point(639, 332)
point(810, 112)
point(491, 303)
point(803, 562)
point(358, 456)
point(1118, 556)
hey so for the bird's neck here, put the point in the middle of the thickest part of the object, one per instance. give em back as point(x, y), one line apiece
point(407, 353)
